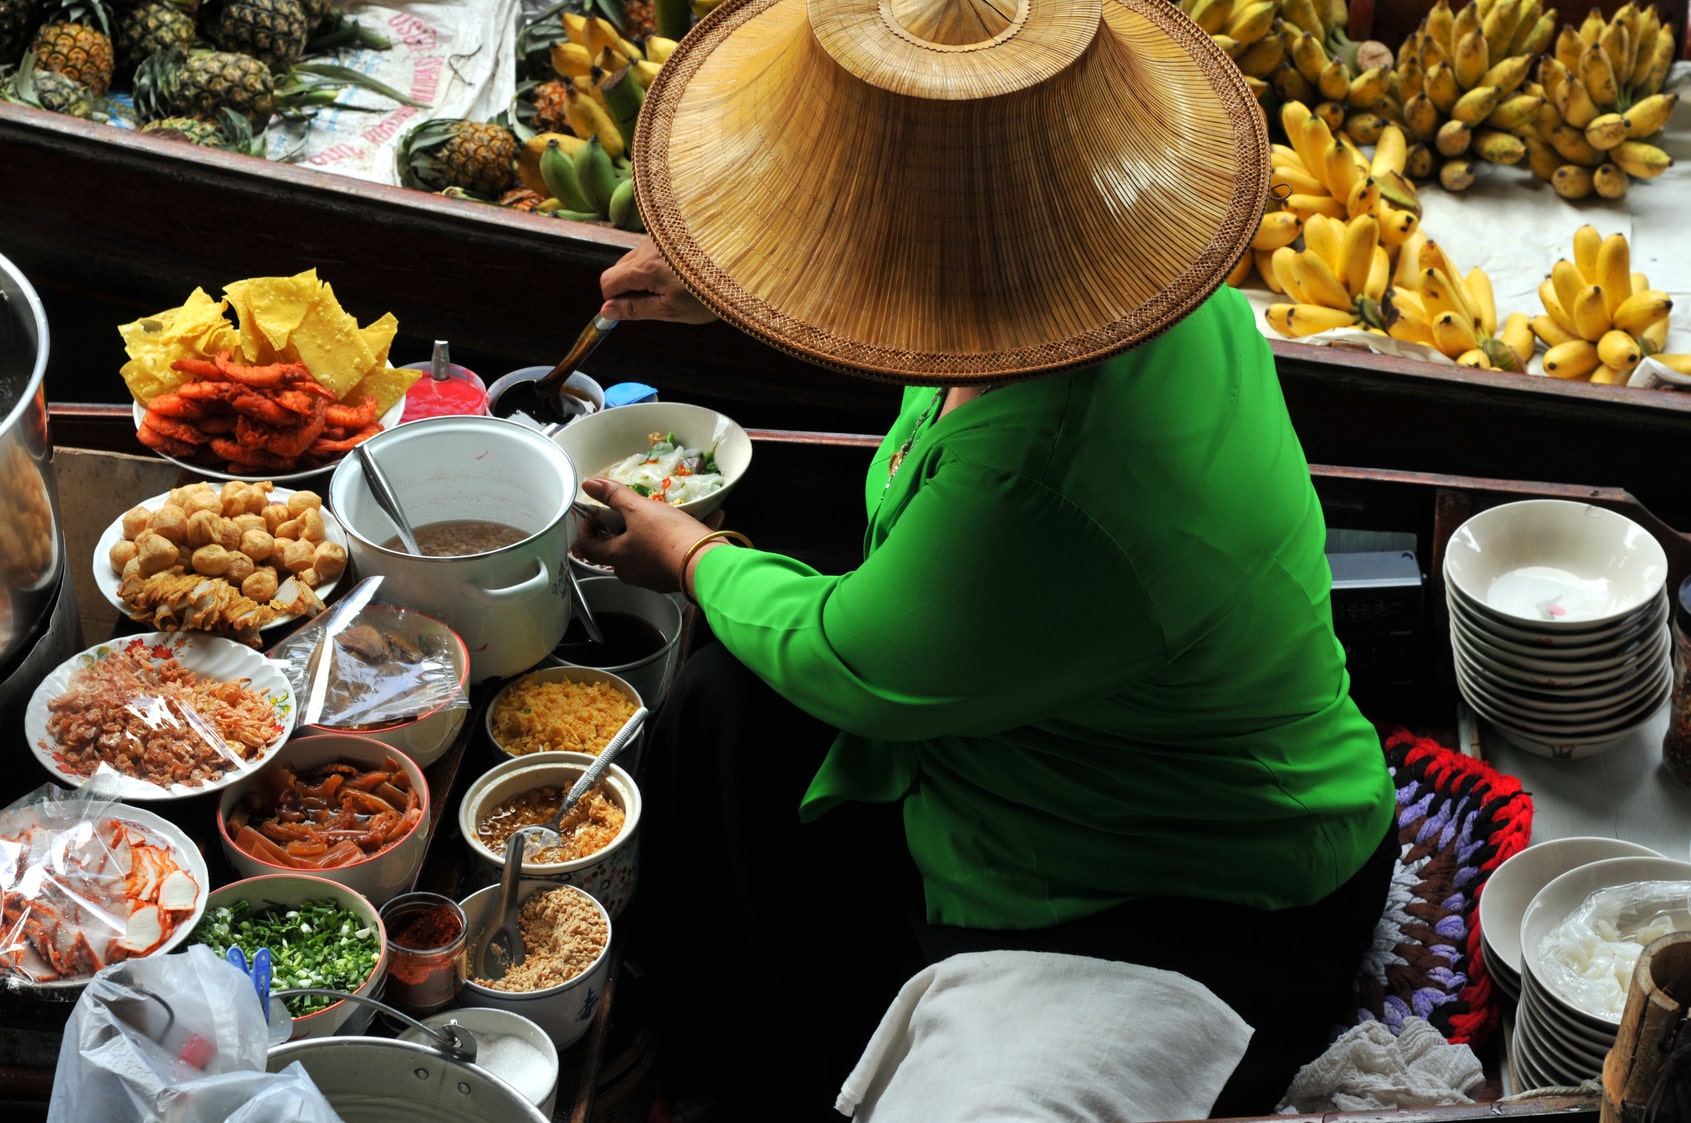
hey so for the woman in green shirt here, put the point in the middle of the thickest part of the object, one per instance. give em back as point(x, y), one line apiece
point(1083, 693)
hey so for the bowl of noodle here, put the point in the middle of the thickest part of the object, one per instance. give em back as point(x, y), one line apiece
point(688, 456)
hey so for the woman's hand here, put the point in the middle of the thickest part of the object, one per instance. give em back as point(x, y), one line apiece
point(642, 286)
point(649, 552)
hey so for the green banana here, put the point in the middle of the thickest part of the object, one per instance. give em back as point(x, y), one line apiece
point(624, 211)
point(623, 95)
point(578, 216)
point(595, 175)
point(557, 172)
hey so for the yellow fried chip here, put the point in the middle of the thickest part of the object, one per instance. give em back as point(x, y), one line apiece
point(378, 337)
point(272, 308)
point(327, 341)
point(154, 342)
point(387, 386)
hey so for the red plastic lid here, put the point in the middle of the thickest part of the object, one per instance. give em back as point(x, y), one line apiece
point(463, 393)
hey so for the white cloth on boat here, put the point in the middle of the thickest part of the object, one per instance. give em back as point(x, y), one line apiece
point(1369, 1069)
point(1018, 1037)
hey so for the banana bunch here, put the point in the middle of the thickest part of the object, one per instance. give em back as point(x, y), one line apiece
point(1433, 302)
point(1603, 101)
point(1460, 78)
point(600, 81)
point(1278, 227)
point(1245, 29)
point(583, 183)
point(1600, 319)
point(1320, 173)
point(1338, 280)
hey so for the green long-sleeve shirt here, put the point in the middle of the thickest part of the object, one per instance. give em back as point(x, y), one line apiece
point(1090, 645)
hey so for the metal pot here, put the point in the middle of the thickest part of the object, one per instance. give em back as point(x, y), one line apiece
point(38, 622)
point(510, 605)
point(382, 1080)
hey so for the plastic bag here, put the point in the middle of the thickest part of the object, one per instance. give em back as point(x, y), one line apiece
point(387, 665)
point(88, 882)
point(1588, 958)
point(177, 1039)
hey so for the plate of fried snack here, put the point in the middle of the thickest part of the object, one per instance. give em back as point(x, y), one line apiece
point(231, 560)
point(282, 393)
point(172, 715)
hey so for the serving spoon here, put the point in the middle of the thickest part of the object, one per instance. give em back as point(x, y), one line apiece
point(377, 482)
point(551, 391)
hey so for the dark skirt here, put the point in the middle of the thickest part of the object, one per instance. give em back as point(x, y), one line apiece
point(776, 946)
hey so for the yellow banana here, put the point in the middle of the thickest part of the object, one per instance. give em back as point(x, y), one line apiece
point(1660, 61)
point(1606, 130)
point(1679, 363)
point(1439, 24)
point(1556, 310)
point(1408, 78)
point(1319, 282)
point(1547, 329)
point(644, 71)
point(1598, 75)
point(1211, 15)
point(1614, 273)
point(1298, 320)
point(1636, 158)
point(1242, 269)
point(1642, 309)
point(1440, 86)
point(1309, 57)
point(1472, 59)
point(1406, 272)
point(1332, 112)
point(1508, 74)
point(1616, 42)
point(1301, 14)
point(1571, 145)
point(1341, 170)
point(1396, 224)
point(1515, 113)
point(1588, 243)
point(1619, 350)
point(1517, 336)
point(1456, 175)
point(1475, 358)
point(1418, 163)
point(1453, 138)
point(1252, 22)
point(588, 119)
point(1389, 151)
point(1290, 85)
point(1640, 282)
point(1260, 58)
point(1311, 140)
point(1591, 317)
point(1468, 18)
point(1277, 228)
point(658, 49)
point(1264, 262)
point(569, 59)
point(1541, 158)
point(1368, 89)
point(1365, 127)
point(1364, 198)
point(1572, 181)
point(1537, 37)
point(1356, 253)
point(1410, 323)
point(1476, 286)
point(1567, 280)
point(1575, 102)
point(1421, 118)
point(1571, 360)
point(1280, 268)
point(1647, 117)
point(1322, 235)
point(1498, 147)
point(1453, 335)
point(1334, 80)
point(1592, 26)
point(1498, 25)
point(1306, 205)
point(1379, 275)
point(1606, 375)
point(1441, 294)
point(575, 27)
point(1295, 181)
point(1477, 104)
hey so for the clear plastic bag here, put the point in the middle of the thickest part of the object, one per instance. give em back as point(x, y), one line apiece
point(1589, 957)
point(89, 882)
point(178, 1039)
point(387, 665)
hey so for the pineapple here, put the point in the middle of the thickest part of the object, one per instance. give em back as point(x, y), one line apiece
point(231, 132)
point(549, 99)
point(17, 21)
point(150, 27)
point(76, 42)
point(472, 156)
point(320, 15)
point(202, 84)
point(272, 31)
point(46, 89)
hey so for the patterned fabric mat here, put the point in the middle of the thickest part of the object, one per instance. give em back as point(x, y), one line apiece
point(1458, 819)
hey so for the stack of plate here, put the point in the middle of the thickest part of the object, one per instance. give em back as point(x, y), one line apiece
point(1558, 624)
point(1512, 887)
point(1560, 1038)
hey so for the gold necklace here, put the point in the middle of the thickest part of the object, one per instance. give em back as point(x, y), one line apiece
point(904, 449)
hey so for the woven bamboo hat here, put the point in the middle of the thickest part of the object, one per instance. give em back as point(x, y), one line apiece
point(950, 191)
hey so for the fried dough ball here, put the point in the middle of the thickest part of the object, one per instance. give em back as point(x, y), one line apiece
point(258, 545)
point(233, 498)
point(275, 514)
point(169, 522)
point(211, 560)
point(202, 528)
point(296, 554)
point(302, 501)
point(228, 534)
point(329, 560)
point(202, 499)
point(261, 585)
point(240, 568)
point(155, 552)
point(309, 577)
point(250, 521)
point(122, 553)
point(135, 520)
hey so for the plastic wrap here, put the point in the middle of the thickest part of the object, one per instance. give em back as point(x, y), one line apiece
point(1589, 957)
point(88, 882)
point(182, 1039)
point(388, 665)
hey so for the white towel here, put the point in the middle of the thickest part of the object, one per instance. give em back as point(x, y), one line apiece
point(1368, 1069)
point(1019, 1037)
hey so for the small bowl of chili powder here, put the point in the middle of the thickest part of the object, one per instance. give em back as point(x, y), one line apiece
point(426, 935)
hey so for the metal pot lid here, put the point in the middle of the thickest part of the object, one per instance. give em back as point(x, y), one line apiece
point(382, 1080)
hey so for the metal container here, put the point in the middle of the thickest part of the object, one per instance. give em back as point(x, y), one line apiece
point(38, 624)
point(382, 1080)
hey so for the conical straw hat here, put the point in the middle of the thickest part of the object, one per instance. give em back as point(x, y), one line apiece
point(950, 191)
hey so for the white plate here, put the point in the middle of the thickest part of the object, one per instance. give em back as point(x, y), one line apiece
point(158, 830)
point(108, 582)
point(208, 657)
point(388, 420)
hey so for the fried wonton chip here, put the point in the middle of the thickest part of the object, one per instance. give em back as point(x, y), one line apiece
point(270, 310)
point(154, 342)
point(328, 342)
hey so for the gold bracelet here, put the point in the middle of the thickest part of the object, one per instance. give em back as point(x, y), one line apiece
point(687, 558)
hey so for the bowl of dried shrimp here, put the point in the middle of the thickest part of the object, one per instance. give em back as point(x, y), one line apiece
point(601, 847)
point(274, 422)
point(170, 714)
point(140, 887)
point(338, 806)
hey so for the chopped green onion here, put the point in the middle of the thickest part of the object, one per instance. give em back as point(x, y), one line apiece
point(318, 944)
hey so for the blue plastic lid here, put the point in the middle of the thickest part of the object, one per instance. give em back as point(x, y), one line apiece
point(627, 393)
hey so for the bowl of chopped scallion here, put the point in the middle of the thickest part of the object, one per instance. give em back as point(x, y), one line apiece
point(320, 934)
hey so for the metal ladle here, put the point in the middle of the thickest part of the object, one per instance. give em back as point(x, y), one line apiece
point(551, 392)
point(500, 947)
point(379, 487)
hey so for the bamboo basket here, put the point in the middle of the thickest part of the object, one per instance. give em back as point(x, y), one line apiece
point(1651, 1024)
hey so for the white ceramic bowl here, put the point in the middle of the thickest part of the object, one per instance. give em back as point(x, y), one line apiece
point(1630, 714)
point(290, 890)
point(576, 381)
point(426, 736)
point(596, 442)
point(507, 1045)
point(554, 674)
point(609, 875)
point(1583, 684)
point(378, 877)
point(1514, 883)
point(1609, 661)
point(1534, 705)
point(564, 1011)
point(1565, 893)
point(1560, 643)
point(1551, 562)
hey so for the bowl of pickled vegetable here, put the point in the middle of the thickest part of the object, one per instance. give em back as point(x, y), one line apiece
point(341, 806)
point(321, 935)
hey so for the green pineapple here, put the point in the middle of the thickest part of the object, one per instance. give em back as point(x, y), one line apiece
point(46, 89)
point(17, 22)
point(472, 156)
point(150, 27)
point(548, 100)
point(272, 31)
point(230, 131)
point(203, 84)
point(76, 42)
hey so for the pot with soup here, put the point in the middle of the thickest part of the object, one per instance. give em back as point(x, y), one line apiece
point(489, 501)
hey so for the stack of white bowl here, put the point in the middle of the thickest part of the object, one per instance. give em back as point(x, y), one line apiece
point(1560, 1039)
point(1558, 624)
